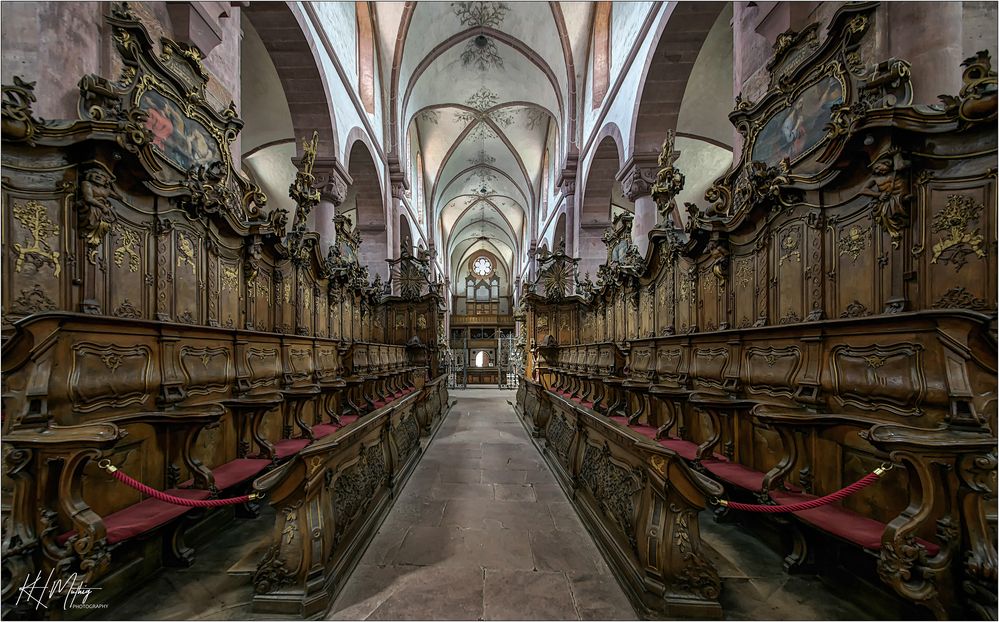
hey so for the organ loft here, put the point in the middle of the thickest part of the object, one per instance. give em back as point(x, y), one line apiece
point(499, 310)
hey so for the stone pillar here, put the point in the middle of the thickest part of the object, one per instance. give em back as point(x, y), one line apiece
point(930, 36)
point(637, 177)
point(331, 181)
point(399, 186)
point(567, 185)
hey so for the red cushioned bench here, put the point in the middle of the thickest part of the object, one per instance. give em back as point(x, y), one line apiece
point(843, 523)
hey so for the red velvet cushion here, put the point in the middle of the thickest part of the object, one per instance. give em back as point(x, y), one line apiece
point(399, 393)
point(645, 430)
point(587, 405)
point(284, 448)
point(348, 419)
point(735, 474)
point(143, 516)
point(379, 403)
point(324, 429)
point(685, 449)
point(238, 471)
point(839, 521)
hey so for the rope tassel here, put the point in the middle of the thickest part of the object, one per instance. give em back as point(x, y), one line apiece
point(843, 493)
point(162, 496)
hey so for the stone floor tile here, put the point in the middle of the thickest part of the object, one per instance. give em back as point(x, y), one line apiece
point(599, 597)
point(527, 595)
point(573, 553)
point(514, 492)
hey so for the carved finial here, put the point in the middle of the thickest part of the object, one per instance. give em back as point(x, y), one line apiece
point(669, 181)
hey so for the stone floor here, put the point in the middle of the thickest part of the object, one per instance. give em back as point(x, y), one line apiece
point(483, 532)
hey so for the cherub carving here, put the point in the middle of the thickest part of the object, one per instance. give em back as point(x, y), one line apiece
point(94, 210)
point(890, 200)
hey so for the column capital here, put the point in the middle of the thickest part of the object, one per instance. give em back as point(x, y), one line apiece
point(638, 175)
point(397, 178)
point(567, 177)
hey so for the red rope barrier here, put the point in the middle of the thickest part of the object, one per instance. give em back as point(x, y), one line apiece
point(162, 496)
point(862, 483)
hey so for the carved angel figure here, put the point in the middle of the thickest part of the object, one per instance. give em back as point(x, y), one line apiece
point(96, 215)
point(890, 202)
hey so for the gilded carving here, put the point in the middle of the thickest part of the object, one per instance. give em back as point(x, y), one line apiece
point(38, 251)
point(959, 240)
point(230, 278)
point(854, 242)
point(744, 273)
point(669, 182)
point(128, 240)
point(185, 252)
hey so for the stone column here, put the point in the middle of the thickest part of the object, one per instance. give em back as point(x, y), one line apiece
point(637, 177)
point(332, 181)
point(567, 185)
point(399, 185)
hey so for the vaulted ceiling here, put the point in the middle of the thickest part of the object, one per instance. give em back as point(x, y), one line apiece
point(480, 89)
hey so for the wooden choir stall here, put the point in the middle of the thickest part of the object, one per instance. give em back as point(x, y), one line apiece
point(158, 319)
point(830, 310)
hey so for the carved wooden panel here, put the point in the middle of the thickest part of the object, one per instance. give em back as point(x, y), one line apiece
point(106, 375)
point(36, 248)
point(187, 268)
point(744, 282)
point(262, 366)
point(771, 370)
point(957, 244)
point(854, 292)
point(709, 365)
point(788, 256)
point(206, 370)
point(872, 377)
point(666, 298)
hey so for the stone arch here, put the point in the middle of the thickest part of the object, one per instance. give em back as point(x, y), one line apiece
point(600, 187)
point(290, 44)
point(667, 71)
point(365, 205)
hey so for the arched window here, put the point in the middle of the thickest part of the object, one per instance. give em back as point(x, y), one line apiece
point(601, 52)
point(365, 57)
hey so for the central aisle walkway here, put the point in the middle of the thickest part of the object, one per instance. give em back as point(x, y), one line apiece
point(482, 532)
